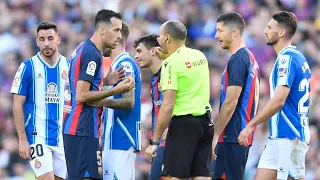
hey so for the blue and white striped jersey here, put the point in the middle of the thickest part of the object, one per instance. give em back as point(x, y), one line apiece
point(44, 88)
point(291, 69)
point(122, 127)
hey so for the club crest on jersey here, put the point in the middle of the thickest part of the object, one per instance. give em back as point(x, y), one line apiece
point(91, 68)
point(64, 75)
point(37, 164)
point(282, 72)
point(52, 95)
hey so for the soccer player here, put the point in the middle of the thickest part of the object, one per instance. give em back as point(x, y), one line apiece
point(288, 107)
point(185, 87)
point(81, 125)
point(122, 136)
point(238, 100)
point(146, 56)
point(38, 102)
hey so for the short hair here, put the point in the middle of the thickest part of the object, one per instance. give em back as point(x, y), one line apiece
point(287, 20)
point(149, 41)
point(104, 16)
point(176, 29)
point(124, 33)
point(45, 25)
point(233, 20)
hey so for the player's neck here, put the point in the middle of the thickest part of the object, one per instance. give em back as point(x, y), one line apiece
point(175, 46)
point(156, 65)
point(280, 45)
point(236, 45)
point(97, 42)
point(50, 60)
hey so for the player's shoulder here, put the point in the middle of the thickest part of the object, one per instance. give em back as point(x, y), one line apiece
point(90, 50)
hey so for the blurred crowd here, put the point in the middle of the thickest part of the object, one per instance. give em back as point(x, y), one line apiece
point(19, 19)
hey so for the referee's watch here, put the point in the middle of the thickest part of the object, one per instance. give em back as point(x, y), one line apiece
point(151, 142)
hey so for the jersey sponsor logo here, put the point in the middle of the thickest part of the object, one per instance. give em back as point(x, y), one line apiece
point(157, 103)
point(37, 164)
point(74, 53)
point(64, 75)
point(39, 75)
point(91, 68)
point(67, 108)
point(169, 72)
point(283, 72)
point(305, 67)
point(52, 95)
point(199, 62)
point(165, 64)
point(188, 64)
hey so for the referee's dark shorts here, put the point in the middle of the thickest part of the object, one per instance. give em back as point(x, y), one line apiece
point(188, 147)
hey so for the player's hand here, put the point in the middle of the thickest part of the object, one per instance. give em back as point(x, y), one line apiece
point(125, 85)
point(164, 135)
point(244, 134)
point(214, 144)
point(151, 152)
point(113, 77)
point(24, 149)
point(157, 51)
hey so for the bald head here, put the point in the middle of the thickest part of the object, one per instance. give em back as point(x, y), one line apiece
point(176, 30)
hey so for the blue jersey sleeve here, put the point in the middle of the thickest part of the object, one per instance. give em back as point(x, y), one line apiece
point(237, 72)
point(21, 80)
point(286, 70)
point(89, 67)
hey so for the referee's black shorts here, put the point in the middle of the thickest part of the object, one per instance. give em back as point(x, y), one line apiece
point(188, 147)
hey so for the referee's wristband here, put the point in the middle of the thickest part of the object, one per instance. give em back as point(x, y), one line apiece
point(151, 142)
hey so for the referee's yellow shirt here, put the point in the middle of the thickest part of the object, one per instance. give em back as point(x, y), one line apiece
point(186, 71)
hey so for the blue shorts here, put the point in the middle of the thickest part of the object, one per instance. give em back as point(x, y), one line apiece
point(157, 165)
point(81, 156)
point(231, 161)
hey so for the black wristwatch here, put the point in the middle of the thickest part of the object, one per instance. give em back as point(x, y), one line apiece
point(151, 142)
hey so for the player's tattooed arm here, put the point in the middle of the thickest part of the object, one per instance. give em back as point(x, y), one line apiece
point(126, 102)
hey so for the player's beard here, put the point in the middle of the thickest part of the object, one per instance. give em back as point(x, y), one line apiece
point(48, 55)
point(272, 42)
point(226, 44)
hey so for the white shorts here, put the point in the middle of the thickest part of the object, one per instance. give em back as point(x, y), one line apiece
point(44, 159)
point(118, 164)
point(286, 156)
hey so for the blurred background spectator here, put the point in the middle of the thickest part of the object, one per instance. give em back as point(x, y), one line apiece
point(19, 19)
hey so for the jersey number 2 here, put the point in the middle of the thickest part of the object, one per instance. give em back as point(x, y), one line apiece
point(38, 149)
point(304, 87)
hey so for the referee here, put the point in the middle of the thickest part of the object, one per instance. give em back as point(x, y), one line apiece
point(185, 86)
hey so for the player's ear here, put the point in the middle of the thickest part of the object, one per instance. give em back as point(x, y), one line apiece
point(282, 33)
point(37, 42)
point(58, 40)
point(153, 51)
point(235, 32)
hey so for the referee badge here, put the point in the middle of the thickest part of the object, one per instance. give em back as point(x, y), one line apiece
point(37, 164)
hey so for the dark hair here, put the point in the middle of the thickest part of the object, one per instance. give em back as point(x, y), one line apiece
point(149, 41)
point(176, 30)
point(104, 16)
point(233, 20)
point(124, 33)
point(47, 25)
point(287, 20)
